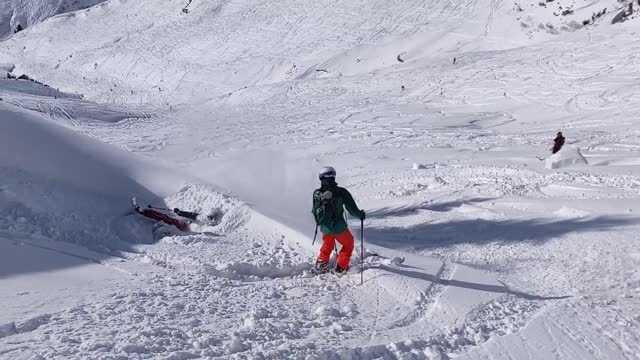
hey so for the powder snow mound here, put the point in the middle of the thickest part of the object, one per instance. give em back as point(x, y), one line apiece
point(569, 212)
point(219, 212)
point(566, 157)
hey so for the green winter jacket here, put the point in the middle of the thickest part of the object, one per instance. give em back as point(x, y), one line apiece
point(343, 200)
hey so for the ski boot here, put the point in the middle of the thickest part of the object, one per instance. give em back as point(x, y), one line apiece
point(320, 268)
point(215, 217)
point(340, 271)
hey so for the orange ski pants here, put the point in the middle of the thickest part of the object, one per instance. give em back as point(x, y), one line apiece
point(328, 243)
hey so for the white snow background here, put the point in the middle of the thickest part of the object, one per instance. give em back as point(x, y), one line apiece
point(439, 118)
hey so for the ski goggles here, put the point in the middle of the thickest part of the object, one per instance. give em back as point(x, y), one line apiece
point(329, 174)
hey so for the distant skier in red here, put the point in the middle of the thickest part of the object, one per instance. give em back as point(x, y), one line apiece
point(558, 142)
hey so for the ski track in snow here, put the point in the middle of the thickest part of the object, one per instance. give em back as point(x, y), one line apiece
point(485, 254)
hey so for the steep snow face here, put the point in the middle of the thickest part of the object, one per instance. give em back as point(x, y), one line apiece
point(63, 185)
point(26, 13)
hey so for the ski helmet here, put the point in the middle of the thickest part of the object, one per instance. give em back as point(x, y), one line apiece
point(327, 172)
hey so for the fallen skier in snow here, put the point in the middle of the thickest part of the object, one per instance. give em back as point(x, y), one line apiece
point(181, 223)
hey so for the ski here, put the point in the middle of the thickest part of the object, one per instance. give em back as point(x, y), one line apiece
point(331, 272)
point(134, 203)
point(351, 271)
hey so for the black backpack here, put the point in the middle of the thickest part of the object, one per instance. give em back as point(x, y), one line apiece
point(324, 208)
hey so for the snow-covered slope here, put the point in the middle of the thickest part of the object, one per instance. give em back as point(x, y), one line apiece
point(26, 13)
point(432, 112)
point(170, 54)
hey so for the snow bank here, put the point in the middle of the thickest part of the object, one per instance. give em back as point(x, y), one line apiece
point(566, 157)
point(273, 269)
point(226, 213)
point(62, 155)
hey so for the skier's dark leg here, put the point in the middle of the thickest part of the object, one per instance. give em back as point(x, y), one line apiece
point(187, 214)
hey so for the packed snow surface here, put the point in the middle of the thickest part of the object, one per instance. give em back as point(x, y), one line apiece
point(438, 117)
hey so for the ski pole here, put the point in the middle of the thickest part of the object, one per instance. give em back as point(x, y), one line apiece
point(361, 251)
point(314, 236)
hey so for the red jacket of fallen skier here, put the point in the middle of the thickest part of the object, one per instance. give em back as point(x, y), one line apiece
point(558, 142)
point(158, 216)
point(329, 202)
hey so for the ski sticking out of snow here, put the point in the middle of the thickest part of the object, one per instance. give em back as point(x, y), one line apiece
point(134, 204)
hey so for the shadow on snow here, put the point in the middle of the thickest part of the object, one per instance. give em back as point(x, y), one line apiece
point(503, 289)
point(482, 231)
point(411, 209)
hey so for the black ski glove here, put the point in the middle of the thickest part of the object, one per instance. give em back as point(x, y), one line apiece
point(363, 215)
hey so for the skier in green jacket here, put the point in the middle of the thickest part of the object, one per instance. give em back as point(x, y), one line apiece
point(329, 202)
